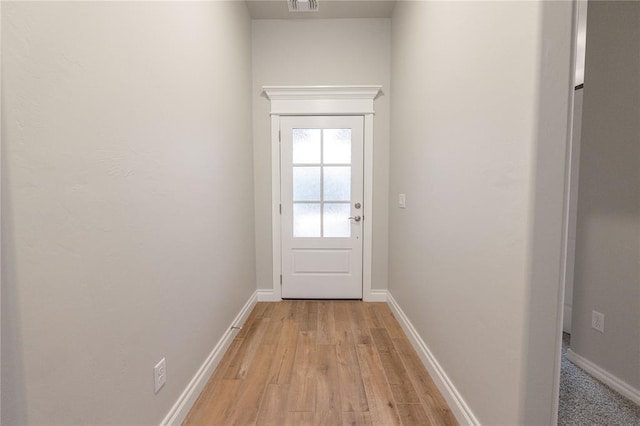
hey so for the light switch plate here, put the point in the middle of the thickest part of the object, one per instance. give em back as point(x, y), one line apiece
point(402, 201)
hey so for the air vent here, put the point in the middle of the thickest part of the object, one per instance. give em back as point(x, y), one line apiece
point(303, 5)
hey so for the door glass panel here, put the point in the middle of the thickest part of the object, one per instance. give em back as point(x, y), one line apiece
point(306, 220)
point(337, 183)
point(336, 220)
point(306, 146)
point(306, 184)
point(337, 146)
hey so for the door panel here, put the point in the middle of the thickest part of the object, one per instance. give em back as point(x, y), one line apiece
point(322, 192)
point(307, 261)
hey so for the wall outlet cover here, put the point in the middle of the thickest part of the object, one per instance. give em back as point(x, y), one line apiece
point(597, 321)
point(160, 374)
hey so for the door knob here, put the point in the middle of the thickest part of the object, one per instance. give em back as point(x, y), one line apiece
point(356, 218)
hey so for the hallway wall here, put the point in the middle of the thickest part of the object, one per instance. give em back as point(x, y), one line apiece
point(607, 275)
point(127, 210)
point(479, 126)
point(569, 274)
point(320, 52)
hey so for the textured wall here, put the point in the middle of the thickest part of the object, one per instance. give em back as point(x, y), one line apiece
point(127, 210)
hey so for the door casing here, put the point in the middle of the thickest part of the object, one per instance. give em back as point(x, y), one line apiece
point(320, 101)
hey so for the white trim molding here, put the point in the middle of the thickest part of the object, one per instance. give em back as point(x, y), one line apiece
point(615, 383)
point(376, 295)
point(458, 406)
point(322, 100)
point(567, 314)
point(267, 296)
point(305, 93)
point(183, 405)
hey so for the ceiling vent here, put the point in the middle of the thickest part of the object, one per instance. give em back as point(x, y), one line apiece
point(303, 5)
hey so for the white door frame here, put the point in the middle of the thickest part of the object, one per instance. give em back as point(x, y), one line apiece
point(322, 100)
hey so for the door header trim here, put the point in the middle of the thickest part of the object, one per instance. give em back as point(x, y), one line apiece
point(322, 100)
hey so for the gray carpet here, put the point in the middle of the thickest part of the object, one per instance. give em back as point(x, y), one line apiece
point(586, 401)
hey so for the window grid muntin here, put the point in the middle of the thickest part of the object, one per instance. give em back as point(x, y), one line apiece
point(322, 201)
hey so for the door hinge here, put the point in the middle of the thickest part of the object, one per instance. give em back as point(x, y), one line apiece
point(279, 135)
point(280, 208)
point(280, 279)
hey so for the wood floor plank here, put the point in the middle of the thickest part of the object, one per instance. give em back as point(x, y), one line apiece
point(381, 403)
point(422, 382)
point(359, 326)
point(353, 418)
point(437, 415)
point(256, 313)
point(381, 339)
point(247, 351)
point(302, 392)
point(413, 414)
point(284, 356)
point(273, 410)
point(202, 403)
point(343, 331)
point(299, 312)
point(277, 315)
point(299, 418)
point(268, 310)
point(354, 397)
point(326, 324)
point(397, 376)
point(310, 317)
point(371, 316)
point(388, 319)
point(216, 408)
point(245, 408)
point(328, 410)
point(293, 304)
point(226, 360)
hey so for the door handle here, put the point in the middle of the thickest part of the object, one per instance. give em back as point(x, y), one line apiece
point(356, 218)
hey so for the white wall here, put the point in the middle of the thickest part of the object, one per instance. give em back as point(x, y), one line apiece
point(320, 52)
point(127, 202)
point(479, 125)
point(607, 273)
point(573, 210)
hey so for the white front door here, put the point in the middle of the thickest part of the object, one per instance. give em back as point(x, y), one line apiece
point(322, 212)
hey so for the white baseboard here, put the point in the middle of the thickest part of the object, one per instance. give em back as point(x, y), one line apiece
point(458, 406)
point(605, 377)
point(373, 296)
point(566, 318)
point(376, 296)
point(267, 296)
point(181, 408)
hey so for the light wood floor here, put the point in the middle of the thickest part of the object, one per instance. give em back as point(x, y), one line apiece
point(320, 363)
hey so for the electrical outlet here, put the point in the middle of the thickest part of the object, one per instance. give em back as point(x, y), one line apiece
point(597, 321)
point(160, 374)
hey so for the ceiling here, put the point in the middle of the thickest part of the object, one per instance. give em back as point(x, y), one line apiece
point(328, 9)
